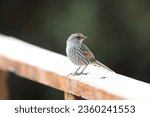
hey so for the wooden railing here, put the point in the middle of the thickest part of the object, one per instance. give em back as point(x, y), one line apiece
point(52, 69)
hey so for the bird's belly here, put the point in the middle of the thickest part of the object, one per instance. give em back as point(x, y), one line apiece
point(74, 56)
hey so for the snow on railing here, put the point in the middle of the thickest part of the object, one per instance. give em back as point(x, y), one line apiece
point(52, 69)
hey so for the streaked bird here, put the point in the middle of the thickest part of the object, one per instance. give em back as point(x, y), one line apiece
point(80, 54)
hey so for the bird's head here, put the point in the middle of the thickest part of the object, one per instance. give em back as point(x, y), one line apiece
point(76, 37)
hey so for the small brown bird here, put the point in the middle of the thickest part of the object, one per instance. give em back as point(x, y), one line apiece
point(79, 53)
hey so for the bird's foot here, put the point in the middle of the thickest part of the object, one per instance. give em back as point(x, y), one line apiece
point(76, 74)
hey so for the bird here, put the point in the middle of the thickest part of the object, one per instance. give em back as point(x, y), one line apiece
point(80, 54)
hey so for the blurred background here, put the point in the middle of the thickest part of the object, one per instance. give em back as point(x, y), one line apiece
point(118, 31)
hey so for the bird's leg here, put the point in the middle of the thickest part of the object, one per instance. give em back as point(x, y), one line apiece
point(75, 73)
point(83, 70)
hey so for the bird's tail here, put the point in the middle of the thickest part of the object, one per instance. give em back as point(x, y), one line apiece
point(98, 64)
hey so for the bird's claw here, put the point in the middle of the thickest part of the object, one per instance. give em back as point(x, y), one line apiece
point(76, 74)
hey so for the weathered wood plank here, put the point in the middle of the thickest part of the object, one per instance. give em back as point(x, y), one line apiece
point(4, 90)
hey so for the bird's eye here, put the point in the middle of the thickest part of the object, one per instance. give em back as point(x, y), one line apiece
point(78, 37)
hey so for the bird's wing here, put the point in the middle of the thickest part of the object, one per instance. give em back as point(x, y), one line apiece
point(87, 53)
point(90, 57)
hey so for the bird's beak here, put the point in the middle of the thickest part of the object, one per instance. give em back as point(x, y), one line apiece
point(85, 37)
